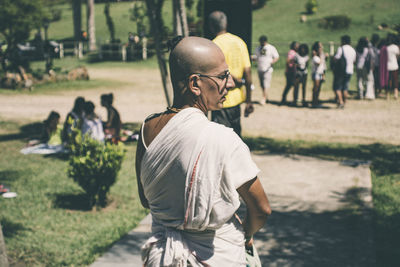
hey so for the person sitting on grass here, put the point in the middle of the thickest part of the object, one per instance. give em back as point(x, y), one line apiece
point(74, 119)
point(92, 125)
point(51, 133)
point(112, 127)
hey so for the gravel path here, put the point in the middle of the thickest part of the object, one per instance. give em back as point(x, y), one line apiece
point(360, 122)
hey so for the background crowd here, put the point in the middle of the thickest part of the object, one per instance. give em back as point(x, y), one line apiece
point(375, 62)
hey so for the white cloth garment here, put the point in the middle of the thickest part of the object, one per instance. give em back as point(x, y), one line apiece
point(265, 55)
point(190, 173)
point(349, 55)
point(94, 128)
point(318, 64)
point(393, 52)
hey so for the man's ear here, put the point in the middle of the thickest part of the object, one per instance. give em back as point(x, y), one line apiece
point(194, 84)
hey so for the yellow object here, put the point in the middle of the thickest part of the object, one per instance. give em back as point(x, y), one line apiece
point(55, 138)
point(237, 58)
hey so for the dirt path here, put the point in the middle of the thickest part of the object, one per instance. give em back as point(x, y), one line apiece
point(359, 122)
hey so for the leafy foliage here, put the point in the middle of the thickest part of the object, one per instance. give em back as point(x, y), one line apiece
point(94, 166)
point(17, 19)
point(109, 21)
point(311, 6)
point(139, 15)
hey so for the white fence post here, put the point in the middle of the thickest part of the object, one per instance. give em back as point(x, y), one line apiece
point(80, 50)
point(123, 52)
point(61, 50)
point(331, 48)
point(144, 51)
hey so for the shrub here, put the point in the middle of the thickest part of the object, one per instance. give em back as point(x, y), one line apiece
point(311, 6)
point(335, 22)
point(94, 166)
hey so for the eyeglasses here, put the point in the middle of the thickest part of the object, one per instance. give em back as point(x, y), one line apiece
point(224, 76)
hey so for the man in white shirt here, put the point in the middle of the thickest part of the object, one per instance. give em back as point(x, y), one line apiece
point(393, 53)
point(342, 74)
point(266, 55)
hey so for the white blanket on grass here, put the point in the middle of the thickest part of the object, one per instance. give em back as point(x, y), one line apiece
point(190, 173)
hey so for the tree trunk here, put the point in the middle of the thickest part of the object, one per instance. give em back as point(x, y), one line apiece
point(91, 27)
point(180, 19)
point(154, 13)
point(3, 253)
point(77, 19)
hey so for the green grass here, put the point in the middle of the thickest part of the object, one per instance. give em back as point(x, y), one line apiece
point(48, 224)
point(385, 171)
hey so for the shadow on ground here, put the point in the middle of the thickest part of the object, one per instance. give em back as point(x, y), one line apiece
point(384, 158)
point(72, 202)
point(10, 228)
point(304, 238)
point(31, 131)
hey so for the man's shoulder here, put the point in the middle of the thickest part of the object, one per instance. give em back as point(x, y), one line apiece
point(228, 37)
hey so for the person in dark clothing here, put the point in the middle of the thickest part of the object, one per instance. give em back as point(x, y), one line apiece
point(112, 127)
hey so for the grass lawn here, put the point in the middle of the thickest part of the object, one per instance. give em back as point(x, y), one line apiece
point(48, 224)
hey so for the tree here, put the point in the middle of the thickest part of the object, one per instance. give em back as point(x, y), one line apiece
point(17, 19)
point(180, 19)
point(154, 8)
point(77, 19)
point(91, 27)
point(138, 15)
point(109, 21)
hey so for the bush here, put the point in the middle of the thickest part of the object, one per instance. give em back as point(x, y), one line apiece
point(311, 6)
point(335, 22)
point(94, 166)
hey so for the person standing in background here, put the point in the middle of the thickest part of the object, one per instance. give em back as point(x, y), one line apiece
point(393, 53)
point(290, 72)
point(344, 59)
point(238, 60)
point(318, 71)
point(266, 56)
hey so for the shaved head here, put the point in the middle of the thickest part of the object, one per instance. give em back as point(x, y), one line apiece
point(192, 55)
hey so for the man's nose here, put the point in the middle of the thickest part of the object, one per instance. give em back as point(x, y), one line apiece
point(231, 83)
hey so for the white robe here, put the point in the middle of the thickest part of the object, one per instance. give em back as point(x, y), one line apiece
point(190, 173)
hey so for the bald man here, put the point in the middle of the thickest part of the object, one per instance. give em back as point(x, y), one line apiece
point(238, 59)
point(191, 171)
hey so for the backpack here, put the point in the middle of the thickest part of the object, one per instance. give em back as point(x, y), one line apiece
point(370, 59)
point(339, 67)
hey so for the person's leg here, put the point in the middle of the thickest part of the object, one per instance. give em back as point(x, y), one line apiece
point(396, 84)
point(296, 90)
point(267, 83)
point(376, 81)
point(339, 97)
point(370, 93)
point(304, 88)
point(289, 83)
point(360, 86)
point(316, 84)
point(261, 77)
point(233, 115)
point(345, 88)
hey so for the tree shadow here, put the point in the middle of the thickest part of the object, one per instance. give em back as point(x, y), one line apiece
point(10, 228)
point(308, 237)
point(30, 130)
point(9, 176)
point(79, 202)
point(383, 157)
